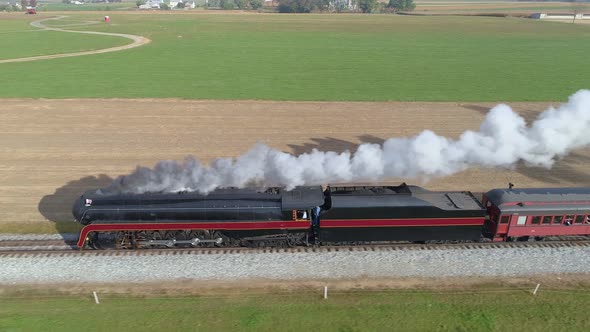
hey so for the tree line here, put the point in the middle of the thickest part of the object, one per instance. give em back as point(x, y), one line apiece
point(365, 6)
point(308, 6)
point(224, 4)
point(8, 7)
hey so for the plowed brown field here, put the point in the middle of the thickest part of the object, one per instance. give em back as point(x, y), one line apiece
point(53, 150)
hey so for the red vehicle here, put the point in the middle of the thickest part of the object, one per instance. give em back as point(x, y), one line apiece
point(31, 10)
point(518, 214)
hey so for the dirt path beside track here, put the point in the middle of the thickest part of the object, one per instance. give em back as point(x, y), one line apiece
point(54, 150)
point(137, 41)
point(564, 282)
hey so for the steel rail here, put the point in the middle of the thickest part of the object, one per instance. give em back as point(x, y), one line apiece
point(31, 249)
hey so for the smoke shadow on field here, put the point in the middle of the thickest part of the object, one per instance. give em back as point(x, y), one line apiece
point(478, 108)
point(371, 139)
point(57, 207)
point(528, 115)
point(334, 144)
point(564, 170)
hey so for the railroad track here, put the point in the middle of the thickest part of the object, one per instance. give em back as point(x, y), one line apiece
point(15, 248)
point(36, 245)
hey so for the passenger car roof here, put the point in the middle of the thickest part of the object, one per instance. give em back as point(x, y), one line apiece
point(540, 199)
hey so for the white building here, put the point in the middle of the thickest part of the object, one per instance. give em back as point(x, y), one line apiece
point(151, 4)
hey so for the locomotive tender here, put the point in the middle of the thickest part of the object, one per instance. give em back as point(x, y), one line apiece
point(310, 215)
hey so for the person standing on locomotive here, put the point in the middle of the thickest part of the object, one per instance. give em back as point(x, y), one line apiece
point(315, 224)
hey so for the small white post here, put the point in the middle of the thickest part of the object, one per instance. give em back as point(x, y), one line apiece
point(536, 289)
point(325, 292)
point(96, 298)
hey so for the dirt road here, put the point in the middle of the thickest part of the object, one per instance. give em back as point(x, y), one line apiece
point(241, 288)
point(136, 41)
point(53, 150)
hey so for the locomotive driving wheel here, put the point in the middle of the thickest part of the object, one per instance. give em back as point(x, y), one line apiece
point(221, 240)
point(123, 240)
point(157, 239)
point(293, 240)
point(180, 238)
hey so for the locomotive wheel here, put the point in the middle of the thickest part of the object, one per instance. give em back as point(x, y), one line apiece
point(225, 240)
point(92, 241)
point(212, 235)
point(183, 236)
point(102, 241)
point(123, 240)
point(162, 235)
point(294, 240)
point(291, 242)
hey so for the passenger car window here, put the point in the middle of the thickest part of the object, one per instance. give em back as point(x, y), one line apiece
point(504, 219)
point(579, 219)
point(521, 220)
point(547, 219)
point(536, 220)
point(558, 219)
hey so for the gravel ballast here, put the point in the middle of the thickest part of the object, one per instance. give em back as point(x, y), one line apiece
point(381, 263)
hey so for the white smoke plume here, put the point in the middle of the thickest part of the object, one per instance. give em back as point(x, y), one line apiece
point(503, 140)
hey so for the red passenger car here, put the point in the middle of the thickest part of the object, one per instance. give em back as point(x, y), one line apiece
point(519, 214)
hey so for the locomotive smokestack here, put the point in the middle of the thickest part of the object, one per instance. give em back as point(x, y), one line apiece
point(503, 140)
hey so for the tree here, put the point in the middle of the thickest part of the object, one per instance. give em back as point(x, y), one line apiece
point(23, 4)
point(301, 6)
point(227, 4)
point(289, 6)
point(33, 3)
point(241, 4)
point(339, 5)
point(212, 4)
point(164, 6)
point(402, 5)
point(255, 4)
point(367, 6)
point(139, 2)
point(180, 5)
point(286, 6)
point(578, 9)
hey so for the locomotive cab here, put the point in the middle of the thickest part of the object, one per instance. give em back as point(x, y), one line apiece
point(301, 215)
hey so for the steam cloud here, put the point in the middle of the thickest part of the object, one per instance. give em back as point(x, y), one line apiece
point(502, 140)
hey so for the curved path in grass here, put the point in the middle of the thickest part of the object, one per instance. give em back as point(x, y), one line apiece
point(137, 41)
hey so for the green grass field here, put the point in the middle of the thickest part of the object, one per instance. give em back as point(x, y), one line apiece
point(316, 57)
point(481, 310)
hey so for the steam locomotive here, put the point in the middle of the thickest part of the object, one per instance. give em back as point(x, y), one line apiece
point(334, 215)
